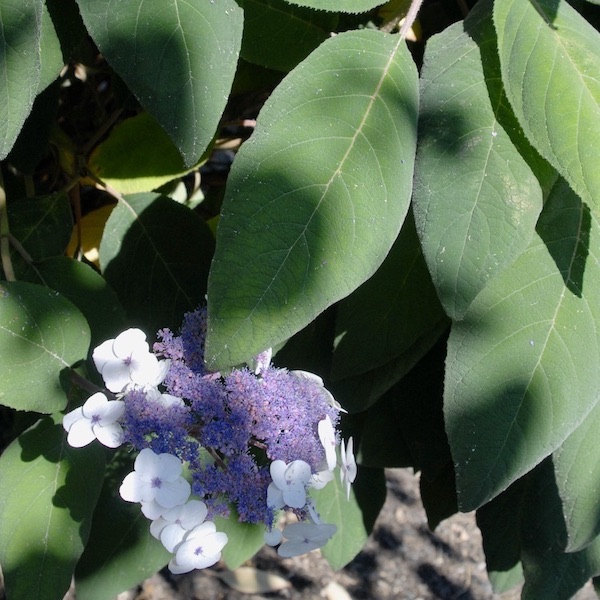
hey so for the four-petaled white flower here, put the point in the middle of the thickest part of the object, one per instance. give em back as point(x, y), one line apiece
point(127, 361)
point(289, 484)
point(348, 469)
point(304, 537)
point(201, 548)
point(327, 437)
point(172, 527)
point(96, 419)
point(156, 480)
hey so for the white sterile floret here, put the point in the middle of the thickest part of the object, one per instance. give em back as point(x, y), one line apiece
point(327, 437)
point(127, 361)
point(156, 480)
point(262, 361)
point(201, 548)
point(172, 527)
point(348, 469)
point(289, 484)
point(304, 537)
point(96, 419)
point(319, 480)
point(273, 537)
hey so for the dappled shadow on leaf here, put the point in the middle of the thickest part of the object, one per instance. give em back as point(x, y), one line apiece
point(156, 253)
point(564, 226)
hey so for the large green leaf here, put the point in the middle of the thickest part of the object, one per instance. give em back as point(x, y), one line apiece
point(137, 156)
point(476, 199)
point(41, 333)
point(155, 253)
point(317, 196)
point(20, 32)
point(121, 552)
point(47, 497)
point(577, 470)
point(245, 539)
point(522, 368)
point(550, 57)
point(334, 508)
point(500, 523)
point(349, 6)
point(177, 57)
point(389, 313)
point(279, 35)
point(86, 289)
point(549, 571)
point(42, 225)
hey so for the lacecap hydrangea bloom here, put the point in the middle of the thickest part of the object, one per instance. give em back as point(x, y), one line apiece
point(258, 440)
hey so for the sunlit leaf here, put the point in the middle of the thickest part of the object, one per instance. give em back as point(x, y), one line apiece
point(351, 534)
point(20, 32)
point(137, 156)
point(577, 469)
point(47, 497)
point(522, 368)
point(349, 6)
point(476, 199)
point(317, 196)
point(41, 333)
point(550, 57)
point(245, 539)
point(177, 57)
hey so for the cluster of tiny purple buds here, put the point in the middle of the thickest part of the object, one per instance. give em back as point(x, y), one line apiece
point(256, 441)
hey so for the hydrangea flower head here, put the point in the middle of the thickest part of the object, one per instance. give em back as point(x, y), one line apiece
point(96, 419)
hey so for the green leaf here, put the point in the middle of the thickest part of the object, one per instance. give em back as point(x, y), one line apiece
point(292, 241)
point(87, 290)
point(346, 515)
point(155, 253)
point(521, 372)
point(41, 333)
point(48, 494)
point(577, 471)
point(137, 156)
point(476, 199)
point(500, 523)
point(348, 6)
point(550, 57)
point(389, 313)
point(245, 539)
point(177, 57)
point(50, 51)
point(121, 552)
point(20, 32)
point(362, 391)
point(279, 35)
point(549, 571)
point(43, 225)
